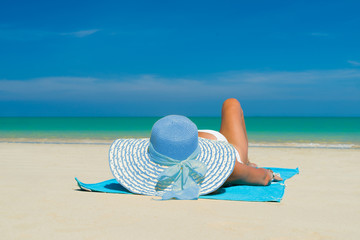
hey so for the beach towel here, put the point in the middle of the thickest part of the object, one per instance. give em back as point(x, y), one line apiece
point(272, 193)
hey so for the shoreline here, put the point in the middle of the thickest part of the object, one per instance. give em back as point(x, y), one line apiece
point(310, 145)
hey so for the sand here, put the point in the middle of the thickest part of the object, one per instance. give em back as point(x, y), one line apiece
point(40, 199)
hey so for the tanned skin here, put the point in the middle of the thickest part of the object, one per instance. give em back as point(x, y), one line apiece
point(234, 129)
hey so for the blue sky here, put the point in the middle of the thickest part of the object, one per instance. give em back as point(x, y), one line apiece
point(152, 58)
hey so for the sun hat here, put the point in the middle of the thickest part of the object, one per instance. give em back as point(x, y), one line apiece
point(173, 163)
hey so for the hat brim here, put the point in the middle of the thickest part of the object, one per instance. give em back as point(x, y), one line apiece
point(132, 168)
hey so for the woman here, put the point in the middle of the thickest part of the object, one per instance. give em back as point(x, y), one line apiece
point(234, 130)
point(180, 162)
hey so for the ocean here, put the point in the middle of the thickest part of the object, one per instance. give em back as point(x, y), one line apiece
point(328, 132)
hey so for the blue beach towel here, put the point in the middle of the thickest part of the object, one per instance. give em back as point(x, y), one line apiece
point(271, 193)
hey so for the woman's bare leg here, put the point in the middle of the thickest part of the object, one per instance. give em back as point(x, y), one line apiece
point(233, 127)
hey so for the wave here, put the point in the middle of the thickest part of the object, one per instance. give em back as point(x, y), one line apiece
point(327, 145)
point(306, 145)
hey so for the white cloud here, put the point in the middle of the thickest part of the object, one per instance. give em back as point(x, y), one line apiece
point(307, 85)
point(33, 34)
point(291, 78)
point(354, 63)
point(80, 34)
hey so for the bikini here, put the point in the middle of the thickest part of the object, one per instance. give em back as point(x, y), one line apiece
point(220, 137)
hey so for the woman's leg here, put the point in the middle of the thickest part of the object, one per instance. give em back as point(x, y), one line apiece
point(233, 127)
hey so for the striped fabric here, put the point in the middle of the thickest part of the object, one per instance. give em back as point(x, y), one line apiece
point(132, 168)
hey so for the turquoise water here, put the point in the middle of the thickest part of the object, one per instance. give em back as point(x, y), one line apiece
point(260, 129)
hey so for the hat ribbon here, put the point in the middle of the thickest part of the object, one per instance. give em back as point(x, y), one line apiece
point(185, 175)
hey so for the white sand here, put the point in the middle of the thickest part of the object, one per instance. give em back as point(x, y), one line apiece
point(40, 199)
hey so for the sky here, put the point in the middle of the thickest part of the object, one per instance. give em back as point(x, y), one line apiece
point(154, 58)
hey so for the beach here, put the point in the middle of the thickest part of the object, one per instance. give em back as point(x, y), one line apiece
point(280, 81)
point(40, 198)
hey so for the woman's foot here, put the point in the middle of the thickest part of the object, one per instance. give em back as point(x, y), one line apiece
point(254, 165)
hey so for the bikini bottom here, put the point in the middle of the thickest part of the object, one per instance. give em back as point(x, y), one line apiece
point(220, 137)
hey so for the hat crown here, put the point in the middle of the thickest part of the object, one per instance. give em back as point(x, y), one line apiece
point(174, 136)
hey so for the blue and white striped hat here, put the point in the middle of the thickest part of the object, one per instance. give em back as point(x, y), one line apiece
point(173, 163)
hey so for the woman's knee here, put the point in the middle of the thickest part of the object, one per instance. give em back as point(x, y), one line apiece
point(232, 104)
